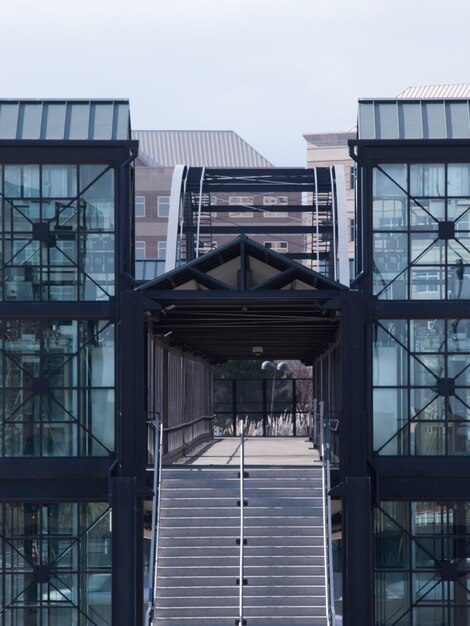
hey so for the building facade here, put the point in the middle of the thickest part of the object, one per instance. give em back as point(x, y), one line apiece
point(70, 492)
point(408, 496)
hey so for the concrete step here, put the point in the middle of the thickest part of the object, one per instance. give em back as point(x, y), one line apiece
point(251, 550)
point(251, 521)
point(230, 621)
point(198, 563)
point(220, 492)
point(201, 500)
point(229, 611)
point(207, 599)
point(227, 560)
point(232, 529)
point(193, 542)
point(312, 512)
point(228, 580)
point(253, 471)
point(201, 571)
point(317, 591)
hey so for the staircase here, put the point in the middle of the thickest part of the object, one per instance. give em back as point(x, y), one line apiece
point(198, 557)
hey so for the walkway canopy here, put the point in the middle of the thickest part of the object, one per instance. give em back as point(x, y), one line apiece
point(242, 301)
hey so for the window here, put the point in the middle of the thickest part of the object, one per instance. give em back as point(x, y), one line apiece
point(410, 538)
point(163, 206)
point(421, 237)
point(352, 229)
point(206, 246)
point(73, 415)
point(76, 214)
point(352, 178)
point(245, 201)
point(274, 201)
point(140, 206)
point(140, 249)
point(277, 246)
point(162, 249)
point(421, 387)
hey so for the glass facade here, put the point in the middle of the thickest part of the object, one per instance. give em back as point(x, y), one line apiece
point(58, 238)
point(422, 563)
point(421, 231)
point(57, 388)
point(421, 387)
point(55, 564)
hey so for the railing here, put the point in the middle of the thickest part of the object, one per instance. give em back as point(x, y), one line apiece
point(327, 533)
point(179, 438)
point(240, 619)
point(156, 425)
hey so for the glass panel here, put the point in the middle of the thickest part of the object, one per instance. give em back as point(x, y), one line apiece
point(436, 120)
point(103, 122)
point(55, 121)
point(388, 120)
point(458, 179)
point(21, 181)
point(366, 120)
point(427, 283)
point(121, 110)
point(459, 210)
point(427, 180)
point(59, 181)
point(390, 361)
point(8, 120)
point(73, 541)
point(390, 416)
point(32, 114)
point(390, 258)
point(97, 199)
point(53, 266)
point(73, 412)
point(79, 120)
point(459, 121)
point(412, 120)
point(425, 214)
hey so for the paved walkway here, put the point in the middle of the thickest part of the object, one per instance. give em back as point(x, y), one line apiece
point(258, 451)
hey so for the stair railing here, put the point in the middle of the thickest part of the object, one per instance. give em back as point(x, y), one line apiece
point(327, 534)
point(157, 426)
point(240, 621)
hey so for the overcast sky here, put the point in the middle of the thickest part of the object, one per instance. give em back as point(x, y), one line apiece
point(269, 69)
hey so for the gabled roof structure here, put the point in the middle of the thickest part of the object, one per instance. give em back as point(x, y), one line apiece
point(244, 300)
point(209, 148)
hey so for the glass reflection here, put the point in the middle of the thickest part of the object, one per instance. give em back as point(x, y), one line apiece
point(58, 233)
point(56, 559)
point(57, 380)
point(421, 377)
point(417, 545)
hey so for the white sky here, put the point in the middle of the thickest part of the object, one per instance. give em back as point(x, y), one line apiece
point(269, 69)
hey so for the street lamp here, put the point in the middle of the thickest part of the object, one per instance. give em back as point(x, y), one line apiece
point(282, 366)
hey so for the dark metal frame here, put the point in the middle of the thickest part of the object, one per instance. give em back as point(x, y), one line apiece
point(368, 478)
point(120, 477)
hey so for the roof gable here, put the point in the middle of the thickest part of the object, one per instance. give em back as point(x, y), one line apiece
point(242, 265)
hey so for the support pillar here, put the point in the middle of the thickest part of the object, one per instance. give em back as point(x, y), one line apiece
point(358, 591)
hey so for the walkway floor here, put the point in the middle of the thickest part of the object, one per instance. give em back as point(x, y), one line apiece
point(258, 451)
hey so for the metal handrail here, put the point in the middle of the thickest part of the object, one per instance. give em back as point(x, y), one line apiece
point(170, 429)
point(327, 535)
point(242, 520)
point(157, 474)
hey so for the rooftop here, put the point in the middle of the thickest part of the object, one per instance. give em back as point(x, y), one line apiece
point(64, 119)
point(197, 148)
